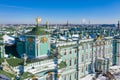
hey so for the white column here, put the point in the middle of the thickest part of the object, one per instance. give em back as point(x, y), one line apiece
point(103, 66)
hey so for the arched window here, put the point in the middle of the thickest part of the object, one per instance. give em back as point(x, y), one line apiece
point(75, 76)
point(70, 77)
point(65, 77)
point(65, 52)
point(75, 50)
point(86, 55)
point(78, 49)
point(86, 67)
point(86, 46)
point(70, 62)
point(91, 54)
point(70, 51)
point(82, 58)
point(75, 61)
point(82, 69)
point(82, 47)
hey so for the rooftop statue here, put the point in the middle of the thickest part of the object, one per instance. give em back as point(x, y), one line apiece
point(37, 30)
point(24, 58)
point(38, 20)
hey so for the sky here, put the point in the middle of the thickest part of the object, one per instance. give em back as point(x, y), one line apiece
point(60, 11)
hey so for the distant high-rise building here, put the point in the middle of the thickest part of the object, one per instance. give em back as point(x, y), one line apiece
point(67, 23)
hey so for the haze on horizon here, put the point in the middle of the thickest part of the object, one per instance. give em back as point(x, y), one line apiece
point(75, 11)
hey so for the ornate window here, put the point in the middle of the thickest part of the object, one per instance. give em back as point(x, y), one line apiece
point(82, 69)
point(91, 54)
point(65, 52)
point(70, 62)
point(82, 47)
point(65, 77)
point(78, 49)
point(82, 58)
point(86, 55)
point(70, 51)
point(75, 76)
point(86, 67)
point(75, 50)
point(70, 77)
point(75, 61)
point(86, 46)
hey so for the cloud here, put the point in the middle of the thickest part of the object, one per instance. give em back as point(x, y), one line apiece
point(83, 21)
point(11, 6)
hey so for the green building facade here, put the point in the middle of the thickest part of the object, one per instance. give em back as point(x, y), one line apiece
point(93, 56)
point(37, 45)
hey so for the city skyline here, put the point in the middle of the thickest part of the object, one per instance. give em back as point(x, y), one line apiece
point(73, 11)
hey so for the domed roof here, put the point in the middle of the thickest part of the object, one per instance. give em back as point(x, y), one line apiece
point(37, 31)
